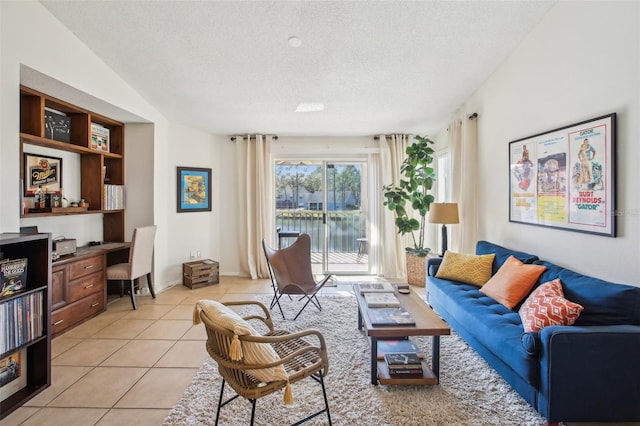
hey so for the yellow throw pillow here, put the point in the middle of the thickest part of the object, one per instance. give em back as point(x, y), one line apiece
point(466, 268)
point(513, 281)
point(252, 352)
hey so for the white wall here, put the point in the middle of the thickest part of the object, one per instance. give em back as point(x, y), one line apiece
point(195, 230)
point(580, 62)
point(24, 27)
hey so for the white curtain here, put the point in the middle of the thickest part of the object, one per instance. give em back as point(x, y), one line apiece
point(463, 134)
point(392, 153)
point(256, 201)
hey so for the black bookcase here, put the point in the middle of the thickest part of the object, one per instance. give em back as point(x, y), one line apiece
point(25, 323)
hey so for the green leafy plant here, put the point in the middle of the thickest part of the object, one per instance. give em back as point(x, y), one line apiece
point(413, 190)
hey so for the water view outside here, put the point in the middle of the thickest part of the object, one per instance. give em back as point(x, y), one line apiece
point(301, 203)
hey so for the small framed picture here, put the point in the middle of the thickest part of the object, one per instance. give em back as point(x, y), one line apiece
point(194, 189)
point(41, 172)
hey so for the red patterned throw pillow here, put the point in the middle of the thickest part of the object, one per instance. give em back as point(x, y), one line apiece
point(547, 306)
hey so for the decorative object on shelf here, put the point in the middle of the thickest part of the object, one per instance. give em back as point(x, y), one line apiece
point(412, 194)
point(13, 377)
point(53, 200)
point(13, 276)
point(39, 171)
point(64, 203)
point(444, 213)
point(57, 125)
point(565, 178)
point(99, 137)
point(194, 189)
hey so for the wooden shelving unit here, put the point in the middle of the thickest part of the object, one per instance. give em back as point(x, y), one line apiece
point(97, 167)
point(34, 344)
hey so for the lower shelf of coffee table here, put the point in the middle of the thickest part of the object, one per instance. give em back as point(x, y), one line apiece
point(428, 378)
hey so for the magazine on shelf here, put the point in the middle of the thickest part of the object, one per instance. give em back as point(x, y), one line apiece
point(381, 300)
point(13, 276)
point(406, 374)
point(384, 287)
point(403, 360)
point(99, 137)
point(390, 317)
point(13, 375)
point(397, 345)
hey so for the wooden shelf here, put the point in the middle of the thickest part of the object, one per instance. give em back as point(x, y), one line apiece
point(64, 146)
point(428, 378)
point(97, 167)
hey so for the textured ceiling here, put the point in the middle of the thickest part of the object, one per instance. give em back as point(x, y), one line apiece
point(378, 66)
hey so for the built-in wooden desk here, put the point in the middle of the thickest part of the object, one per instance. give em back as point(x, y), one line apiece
point(78, 283)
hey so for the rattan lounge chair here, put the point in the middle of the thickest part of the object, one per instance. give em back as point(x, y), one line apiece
point(295, 353)
point(290, 271)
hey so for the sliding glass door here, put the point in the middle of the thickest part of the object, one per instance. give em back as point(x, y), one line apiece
point(325, 200)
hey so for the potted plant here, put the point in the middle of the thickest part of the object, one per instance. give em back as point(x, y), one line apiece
point(413, 191)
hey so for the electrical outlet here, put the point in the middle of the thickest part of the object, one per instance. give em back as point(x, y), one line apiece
point(198, 254)
point(192, 254)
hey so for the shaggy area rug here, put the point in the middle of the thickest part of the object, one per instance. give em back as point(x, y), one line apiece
point(470, 392)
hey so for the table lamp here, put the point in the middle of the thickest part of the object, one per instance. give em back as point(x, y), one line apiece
point(444, 213)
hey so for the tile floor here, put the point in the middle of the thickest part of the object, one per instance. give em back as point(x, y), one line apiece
point(128, 367)
point(123, 366)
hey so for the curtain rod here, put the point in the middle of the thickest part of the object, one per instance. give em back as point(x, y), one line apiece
point(377, 138)
point(233, 138)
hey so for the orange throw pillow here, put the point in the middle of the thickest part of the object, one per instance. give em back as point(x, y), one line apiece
point(513, 281)
point(547, 306)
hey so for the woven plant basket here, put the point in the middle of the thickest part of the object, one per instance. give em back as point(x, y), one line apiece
point(416, 269)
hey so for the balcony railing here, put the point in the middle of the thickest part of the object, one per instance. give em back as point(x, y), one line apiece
point(344, 227)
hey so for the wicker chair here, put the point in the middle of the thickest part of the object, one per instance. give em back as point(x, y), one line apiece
point(290, 272)
point(299, 358)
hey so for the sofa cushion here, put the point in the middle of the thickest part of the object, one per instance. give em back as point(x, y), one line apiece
point(604, 302)
point(495, 327)
point(466, 268)
point(502, 254)
point(513, 281)
point(252, 352)
point(547, 306)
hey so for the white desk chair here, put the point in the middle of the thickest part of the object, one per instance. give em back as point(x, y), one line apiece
point(140, 262)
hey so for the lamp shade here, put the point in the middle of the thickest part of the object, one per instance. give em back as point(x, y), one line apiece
point(443, 213)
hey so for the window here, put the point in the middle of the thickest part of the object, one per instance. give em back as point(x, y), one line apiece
point(443, 176)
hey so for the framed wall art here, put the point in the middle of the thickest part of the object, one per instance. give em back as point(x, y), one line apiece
point(43, 172)
point(565, 178)
point(194, 189)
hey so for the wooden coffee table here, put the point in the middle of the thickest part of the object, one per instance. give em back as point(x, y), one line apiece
point(428, 323)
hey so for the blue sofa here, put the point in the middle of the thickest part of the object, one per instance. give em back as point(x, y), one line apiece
point(587, 372)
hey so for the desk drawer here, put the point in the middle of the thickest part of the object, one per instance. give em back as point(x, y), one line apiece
point(85, 286)
point(76, 312)
point(85, 267)
point(58, 286)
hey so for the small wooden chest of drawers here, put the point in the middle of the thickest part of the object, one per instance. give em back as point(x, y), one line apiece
point(200, 273)
point(78, 292)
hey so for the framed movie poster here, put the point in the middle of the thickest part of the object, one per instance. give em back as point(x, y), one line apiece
point(194, 189)
point(565, 178)
point(41, 171)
